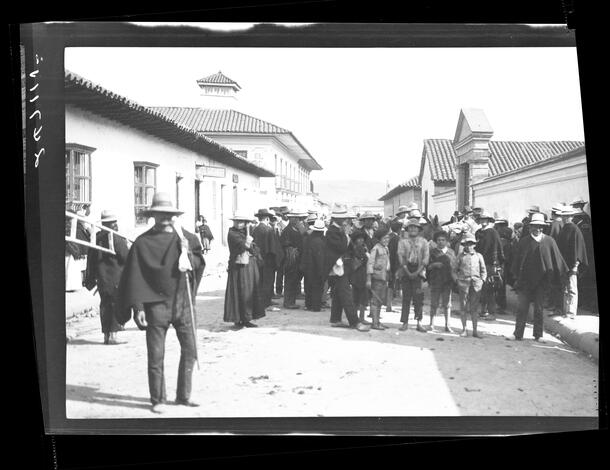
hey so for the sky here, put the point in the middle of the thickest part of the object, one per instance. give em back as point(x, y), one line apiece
point(362, 113)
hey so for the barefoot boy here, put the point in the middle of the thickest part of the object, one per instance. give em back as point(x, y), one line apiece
point(470, 274)
point(378, 273)
point(441, 277)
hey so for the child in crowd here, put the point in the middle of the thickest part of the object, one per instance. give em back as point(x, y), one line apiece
point(413, 255)
point(441, 277)
point(470, 273)
point(357, 274)
point(378, 274)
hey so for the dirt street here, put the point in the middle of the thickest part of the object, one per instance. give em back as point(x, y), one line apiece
point(294, 364)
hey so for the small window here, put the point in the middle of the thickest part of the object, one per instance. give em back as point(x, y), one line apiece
point(78, 173)
point(241, 153)
point(145, 184)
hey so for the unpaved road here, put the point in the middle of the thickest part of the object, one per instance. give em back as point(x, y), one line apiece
point(294, 364)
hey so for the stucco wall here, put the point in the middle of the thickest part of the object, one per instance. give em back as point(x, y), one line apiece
point(544, 185)
point(390, 206)
point(112, 170)
point(444, 205)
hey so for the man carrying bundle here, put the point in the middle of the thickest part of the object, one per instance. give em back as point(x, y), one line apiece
point(155, 285)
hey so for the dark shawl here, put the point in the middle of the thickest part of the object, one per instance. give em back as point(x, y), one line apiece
point(571, 243)
point(356, 268)
point(490, 246)
point(535, 262)
point(265, 239)
point(393, 250)
point(236, 240)
point(104, 269)
point(312, 261)
point(151, 271)
point(336, 246)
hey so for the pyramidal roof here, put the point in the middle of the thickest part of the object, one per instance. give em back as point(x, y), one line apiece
point(218, 79)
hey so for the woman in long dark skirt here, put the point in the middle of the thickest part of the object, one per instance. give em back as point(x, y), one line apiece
point(242, 300)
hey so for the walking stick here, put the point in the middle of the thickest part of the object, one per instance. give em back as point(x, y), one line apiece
point(184, 265)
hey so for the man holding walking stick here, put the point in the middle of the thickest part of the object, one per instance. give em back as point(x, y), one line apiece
point(159, 282)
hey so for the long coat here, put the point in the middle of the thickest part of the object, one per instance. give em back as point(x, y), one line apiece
point(104, 269)
point(490, 246)
point(336, 246)
point(571, 243)
point(312, 260)
point(265, 239)
point(242, 295)
point(292, 242)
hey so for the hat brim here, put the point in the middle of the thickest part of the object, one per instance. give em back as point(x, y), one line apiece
point(161, 210)
point(111, 219)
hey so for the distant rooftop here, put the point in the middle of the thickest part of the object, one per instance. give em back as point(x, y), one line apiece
point(218, 79)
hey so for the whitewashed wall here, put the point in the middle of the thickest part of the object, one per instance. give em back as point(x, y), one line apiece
point(112, 170)
point(444, 205)
point(390, 206)
point(545, 185)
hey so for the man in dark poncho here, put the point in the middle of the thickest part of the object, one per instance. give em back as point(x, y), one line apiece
point(264, 238)
point(490, 246)
point(292, 242)
point(571, 243)
point(537, 264)
point(506, 235)
point(104, 271)
point(312, 264)
point(153, 285)
point(556, 221)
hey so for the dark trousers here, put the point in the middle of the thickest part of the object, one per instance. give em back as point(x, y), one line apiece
point(313, 292)
point(412, 291)
point(488, 295)
point(159, 316)
point(108, 320)
point(279, 279)
point(501, 293)
point(267, 273)
point(525, 298)
point(291, 287)
point(341, 300)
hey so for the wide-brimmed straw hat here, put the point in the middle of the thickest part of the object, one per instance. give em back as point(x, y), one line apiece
point(340, 211)
point(312, 218)
point(534, 209)
point(366, 215)
point(297, 213)
point(537, 219)
point(486, 216)
point(567, 210)
point(415, 222)
point(319, 226)
point(108, 216)
point(402, 210)
point(468, 238)
point(162, 202)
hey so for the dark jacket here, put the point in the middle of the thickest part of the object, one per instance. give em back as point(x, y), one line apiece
point(490, 246)
point(312, 259)
point(336, 246)
point(356, 267)
point(265, 240)
point(151, 271)
point(393, 249)
point(104, 269)
point(292, 242)
point(571, 244)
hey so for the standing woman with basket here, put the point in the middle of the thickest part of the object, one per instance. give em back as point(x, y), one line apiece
point(243, 302)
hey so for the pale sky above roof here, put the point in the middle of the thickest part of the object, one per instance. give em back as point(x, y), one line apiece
point(362, 113)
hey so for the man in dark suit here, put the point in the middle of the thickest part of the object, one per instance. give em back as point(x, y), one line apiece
point(264, 239)
point(292, 242)
point(337, 242)
point(490, 246)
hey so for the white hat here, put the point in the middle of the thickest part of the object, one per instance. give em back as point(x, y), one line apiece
point(319, 226)
point(241, 215)
point(537, 219)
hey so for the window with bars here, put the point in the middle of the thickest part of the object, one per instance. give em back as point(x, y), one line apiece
point(145, 184)
point(78, 173)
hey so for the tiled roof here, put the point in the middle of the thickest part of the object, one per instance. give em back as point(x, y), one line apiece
point(401, 188)
point(218, 120)
point(85, 94)
point(218, 79)
point(505, 155)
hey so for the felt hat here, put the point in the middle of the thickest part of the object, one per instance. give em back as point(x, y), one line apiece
point(568, 210)
point(534, 209)
point(487, 216)
point(241, 215)
point(477, 210)
point(537, 219)
point(366, 215)
point(312, 218)
point(501, 221)
point(578, 201)
point(381, 232)
point(319, 225)
point(162, 202)
point(297, 213)
point(108, 216)
point(415, 213)
point(264, 213)
point(468, 238)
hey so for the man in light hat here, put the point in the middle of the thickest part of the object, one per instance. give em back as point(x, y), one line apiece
point(264, 239)
point(556, 220)
point(367, 219)
point(489, 246)
point(468, 220)
point(280, 225)
point(292, 242)
point(413, 254)
point(537, 264)
point(337, 243)
point(154, 286)
point(104, 271)
point(572, 246)
point(401, 213)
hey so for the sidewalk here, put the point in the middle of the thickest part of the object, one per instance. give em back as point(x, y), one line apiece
point(582, 332)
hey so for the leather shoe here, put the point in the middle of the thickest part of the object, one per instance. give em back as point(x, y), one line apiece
point(190, 403)
point(249, 324)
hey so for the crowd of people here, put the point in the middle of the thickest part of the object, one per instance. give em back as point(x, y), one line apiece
point(348, 262)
